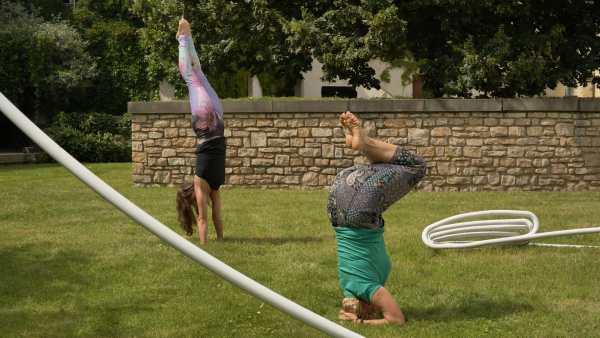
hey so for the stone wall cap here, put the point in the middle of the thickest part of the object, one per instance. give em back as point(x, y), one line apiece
point(481, 105)
point(364, 106)
point(169, 107)
point(317, 106)
point(441, 105)
point(589, 105)
point(541, 104)
point(247, 106)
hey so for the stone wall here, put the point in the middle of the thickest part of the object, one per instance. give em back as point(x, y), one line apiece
point(510, 144)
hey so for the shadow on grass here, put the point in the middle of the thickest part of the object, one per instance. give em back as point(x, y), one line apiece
point(273, 240)
point(36, 271)
point(27, 166)
point(43, 292)
point(491, 310)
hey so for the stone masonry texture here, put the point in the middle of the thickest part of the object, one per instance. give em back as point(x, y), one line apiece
point(469, 145)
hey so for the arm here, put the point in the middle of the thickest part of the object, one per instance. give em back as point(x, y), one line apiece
point(215, 197)
point(383, 300)
point(201, 189)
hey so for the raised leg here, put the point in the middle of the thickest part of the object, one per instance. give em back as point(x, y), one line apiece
point(207, 111)
point(375, 151)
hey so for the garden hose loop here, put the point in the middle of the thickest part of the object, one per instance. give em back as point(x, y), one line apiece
point(445, 233)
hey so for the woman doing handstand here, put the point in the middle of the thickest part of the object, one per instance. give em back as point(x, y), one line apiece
point(357, 198)
point(207, 122)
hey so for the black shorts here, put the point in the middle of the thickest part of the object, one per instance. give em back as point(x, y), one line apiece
point(210, 162)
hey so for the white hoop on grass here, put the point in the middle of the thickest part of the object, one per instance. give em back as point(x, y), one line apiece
point(161, 231)
point(443, 234)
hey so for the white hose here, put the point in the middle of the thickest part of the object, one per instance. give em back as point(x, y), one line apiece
point(445, 233)
point(161, 231)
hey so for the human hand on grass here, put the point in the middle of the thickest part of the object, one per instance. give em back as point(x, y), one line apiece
point(348, 316)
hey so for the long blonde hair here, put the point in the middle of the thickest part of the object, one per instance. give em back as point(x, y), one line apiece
point(354, 305)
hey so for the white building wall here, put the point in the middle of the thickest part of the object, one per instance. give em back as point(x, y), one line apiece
point(254, 88)
point(166, 91)
point(311, 85)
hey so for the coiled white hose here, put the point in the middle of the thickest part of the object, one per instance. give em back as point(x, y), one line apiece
point(445, 233)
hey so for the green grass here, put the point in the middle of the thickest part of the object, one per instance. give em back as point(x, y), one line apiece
point(71, 265)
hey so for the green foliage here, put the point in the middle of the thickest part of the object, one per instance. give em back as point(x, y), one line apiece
point(43, 64)
point(124, 126)
point(124, 72)
point(94, 137)
point(43, 157)
point(94, 123)
point(503, 48)
point(124, 49)
point(48, 9)
point(233, 39)
point(345, 35)
point(411, 67)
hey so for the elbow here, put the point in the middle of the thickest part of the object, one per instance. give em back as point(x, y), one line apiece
point(398, 320)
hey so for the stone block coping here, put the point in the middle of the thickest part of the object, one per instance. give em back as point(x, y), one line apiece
point(358, 106)
point(16, 158)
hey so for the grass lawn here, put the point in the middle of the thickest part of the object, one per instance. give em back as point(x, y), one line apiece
point(71, 265)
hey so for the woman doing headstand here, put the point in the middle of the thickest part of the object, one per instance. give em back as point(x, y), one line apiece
point(207, 122)
point(357, 198)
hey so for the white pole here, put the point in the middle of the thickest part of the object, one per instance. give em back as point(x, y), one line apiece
point(442, 234)
point(161, 231)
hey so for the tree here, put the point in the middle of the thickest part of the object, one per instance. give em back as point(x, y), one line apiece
point(277, 40)
point(124, 74)
point(42, 63)
point(43, 66)
point(503, 48)
point(345, 35)
point(231, 37)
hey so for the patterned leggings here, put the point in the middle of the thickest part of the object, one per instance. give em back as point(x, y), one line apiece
point(359, 195)
point(207, 112)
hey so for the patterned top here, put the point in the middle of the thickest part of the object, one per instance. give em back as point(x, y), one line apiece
point(360, 194)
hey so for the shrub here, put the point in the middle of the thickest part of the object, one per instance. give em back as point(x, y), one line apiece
point(43, 158)
point(93, 137)
point(124, 126)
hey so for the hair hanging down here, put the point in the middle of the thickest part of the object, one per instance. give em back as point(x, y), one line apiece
point(186, 205)
point(354, 305)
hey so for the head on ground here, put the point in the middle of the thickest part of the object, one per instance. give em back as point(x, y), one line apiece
point(360, 307)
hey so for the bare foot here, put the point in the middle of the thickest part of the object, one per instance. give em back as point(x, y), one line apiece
point(359, 137)
point(347, 131)
point(184, 28)
point(374, 150)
